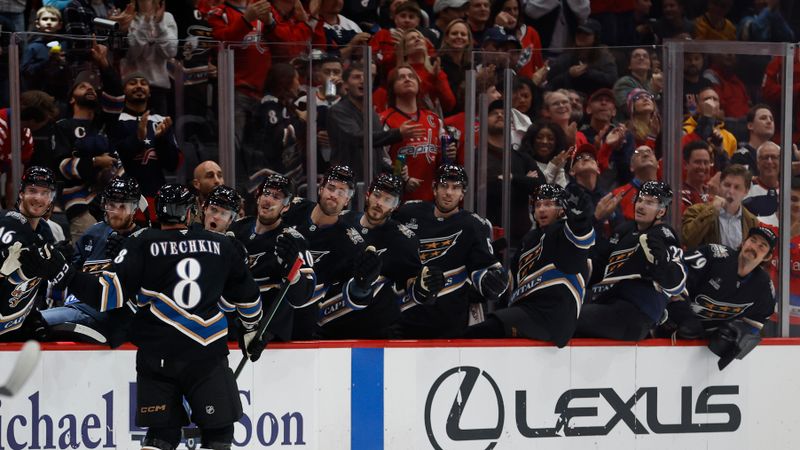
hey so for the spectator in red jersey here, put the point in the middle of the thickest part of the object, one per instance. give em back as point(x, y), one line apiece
point(289, 31)
point(697, 186)
point(771, 88)
point(508, 15)
point(406, 16)
point(421, 154)
point(644, 166)
point(478, 18)
point(734, 100)
point(434, 87)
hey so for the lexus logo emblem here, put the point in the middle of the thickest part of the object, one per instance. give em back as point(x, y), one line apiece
point(453, 419)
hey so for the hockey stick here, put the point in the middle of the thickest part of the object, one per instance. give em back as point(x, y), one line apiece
point(270, 313)
point(26, 362)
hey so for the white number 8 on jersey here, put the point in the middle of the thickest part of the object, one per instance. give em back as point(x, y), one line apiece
point(187, 292)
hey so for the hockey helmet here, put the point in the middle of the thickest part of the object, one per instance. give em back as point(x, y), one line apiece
point(172, 203)
point(388, 183)
point(451, 172)
point(38, 176)
point(123, 190)
point(552, 192)
point(224, 197)
point(278, 182)
point(340, 173)
point(657, 189)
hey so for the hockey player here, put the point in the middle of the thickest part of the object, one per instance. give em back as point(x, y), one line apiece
point(638, 270)
point(221, 209)
point(23, 232)
point(183, 280)
point(345, 270)
point(550, 271)
point(402, 273)
point(728, 296)
point(272, 246)
point(459, 243)
point(93, 253)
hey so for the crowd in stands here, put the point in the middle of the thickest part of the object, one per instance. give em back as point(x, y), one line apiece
point(98, 99)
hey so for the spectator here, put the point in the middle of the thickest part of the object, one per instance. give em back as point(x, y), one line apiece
point(434, 87)
point(576, 103)
point(762, 199)
point(207, 176)
point(78, 17)
point(500, 49)
point(673, 22)
point(346, 128)
point(58, 4)
point(693, 81)
point(645, 122)
point(508, 15)
point(723, 220)
point(558, 109)
point(546, 143)
point(697, 162)
point(44, 65)
point(584, 172)
point(328, 76)
point(339, 33)
point(12, 16)
point(455, 54)
point(289, 31)
point(406, 16)
point(708, 126)
point(645, 34)
point(713, 25)
point(641, 77)
point(771, 87)
point(600, 111)
point(478, 18)
point(734, 100)
point(421, 154)
point(588, 67)
point(153, 40)
point(617, 19)
point(645, 168)
point(761, 128)
point(556, 21)
point(26, 151)
point(145, 141)
point(447, 11)
point(766, 24)
point(522, 98)
point(39, 112)
point(525, 177)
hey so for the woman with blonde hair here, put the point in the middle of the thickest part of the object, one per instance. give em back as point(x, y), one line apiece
point(454, 53)
point(412, 50)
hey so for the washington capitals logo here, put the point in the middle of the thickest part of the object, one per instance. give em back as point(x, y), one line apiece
point(20, 292)
point(432, 248)
point(528, 258)
point(708, 308)
point(618, 259)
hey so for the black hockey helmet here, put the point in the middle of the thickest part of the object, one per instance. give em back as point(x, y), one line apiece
point(224, 197)
point(38, 176)
point(172, 202)
point(278, 182)
point(451, 172)
point(340, 173)
point(657, 189)
point(388, 183)
point(551, 192)
point(123, 190)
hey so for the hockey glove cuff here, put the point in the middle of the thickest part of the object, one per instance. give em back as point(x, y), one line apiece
point(428, 284)
point(494, 284)
point(654, 250)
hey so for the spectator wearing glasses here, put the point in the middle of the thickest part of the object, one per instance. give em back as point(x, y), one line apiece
point(644, 122)
point(641, 77)
point(762, 199)
point(644, 166)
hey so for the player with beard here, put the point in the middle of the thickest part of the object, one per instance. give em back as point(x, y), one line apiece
point(346, 269)
point(636, 271)
point(459, 243)
point(551, 270)
point(402, 273)
point(23, 233)
point(272, 246)
point(145, 141)
point(729, 296)
point(93, 253)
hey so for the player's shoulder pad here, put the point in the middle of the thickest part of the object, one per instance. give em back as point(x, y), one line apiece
point(354, 235)
point(481, 220)
point(270, 99)
point(138, 232)
point(664, 231)
point(17, 216)
point(718, 251)
point(405, 231)
point(292, 231)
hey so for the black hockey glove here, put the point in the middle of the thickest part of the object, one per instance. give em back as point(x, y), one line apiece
point(494, 283)
point(114, 244)
point(733, 340)
point(288, 246)
point(66, 249)
point(579, 206)
point(655, 250)
point(429, 282)
point(250, 346)
point(45, 262)
point(366, 269)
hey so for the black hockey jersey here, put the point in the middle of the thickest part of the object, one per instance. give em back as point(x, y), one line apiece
point(716, 293)
point(183, 282)
point(19, 291)
point(266, 271)
point(334, 249)
point(461, 246)
point(621, 270)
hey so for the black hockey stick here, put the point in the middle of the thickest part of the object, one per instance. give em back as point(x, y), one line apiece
point(270, 313)
point(26, 362)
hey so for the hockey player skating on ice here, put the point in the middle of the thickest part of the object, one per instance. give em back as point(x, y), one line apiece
point(22, 233)
point(345, 270)
point(459, 243)
point(93, 253)
point(272, 246)
point(728, 296)
point(402, 273)
point(182, 281)
point(550, 271)
point(637, 271)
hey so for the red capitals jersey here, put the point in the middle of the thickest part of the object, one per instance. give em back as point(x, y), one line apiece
point(422, 154)
point(794, 277)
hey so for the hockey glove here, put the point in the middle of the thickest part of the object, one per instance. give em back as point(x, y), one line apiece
point(288, 246)
point(494, 283)
point(44, 262)
point(366, 269)
point(114, 244)
point(250, 346)
point(654, 250)
point(579, 207)
point(429, 282)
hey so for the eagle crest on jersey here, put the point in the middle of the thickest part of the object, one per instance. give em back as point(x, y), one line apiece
point(96, 266)
point(708, 308)
point(528, 258)
point(618, 259)
point(432, 248)
point(21, 291)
